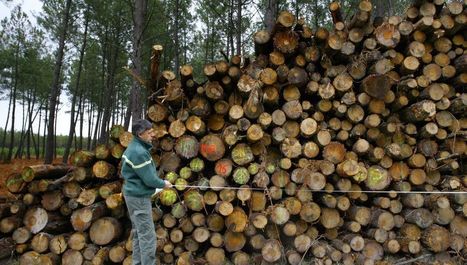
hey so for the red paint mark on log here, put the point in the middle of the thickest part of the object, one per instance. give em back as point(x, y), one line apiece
point(208, 149)
point(221, 168)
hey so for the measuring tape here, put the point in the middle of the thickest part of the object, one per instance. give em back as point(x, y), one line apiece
point(320, 191)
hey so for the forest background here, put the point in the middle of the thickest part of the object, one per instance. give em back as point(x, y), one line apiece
point(63, 80)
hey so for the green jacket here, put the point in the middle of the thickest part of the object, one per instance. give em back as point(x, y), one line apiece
point(139, 170)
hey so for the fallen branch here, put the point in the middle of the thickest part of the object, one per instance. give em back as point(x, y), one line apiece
point(135, 76)
point(414, 259)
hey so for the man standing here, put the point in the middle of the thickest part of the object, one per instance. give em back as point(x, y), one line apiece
point(141, 181)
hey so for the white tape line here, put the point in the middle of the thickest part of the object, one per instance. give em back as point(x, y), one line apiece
point(333, 191)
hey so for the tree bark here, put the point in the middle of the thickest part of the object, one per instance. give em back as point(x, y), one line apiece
point(239, 26)
point(71, 132)
point(97, 125)
point(12, 128)
point(139, 18)
point(6, 125)
point(90, 113)
point(271, 14)
point(110, 84)
point(176, 36)
point(31, 121)
point(379, 7)
point(55, 89)
point(37, 145)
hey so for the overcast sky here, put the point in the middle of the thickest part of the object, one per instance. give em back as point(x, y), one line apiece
point(32, 8)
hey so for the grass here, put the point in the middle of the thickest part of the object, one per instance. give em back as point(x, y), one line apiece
point(60, 151)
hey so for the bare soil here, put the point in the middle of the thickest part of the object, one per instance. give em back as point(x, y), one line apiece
point(15, 166)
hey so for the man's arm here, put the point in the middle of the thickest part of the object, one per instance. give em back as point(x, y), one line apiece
point(146, 170)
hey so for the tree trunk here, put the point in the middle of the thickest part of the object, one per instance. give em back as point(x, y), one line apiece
point(271, 14)
point(71, 132)
point(239, 26)
point(139, 18)
point(90, 113)
point(176, 36)
point(110, 84)
point(12, 128)
point(19, 150)
point(81, 120)
point(351, 131)
point(37, 145)
point(127, 118)
point(2, 145)
point(55, 129)
point(31, 121)
point(207, 41)
point(44, 132)
point(98, 124)
point(19, 146)
point(379, 8)
point(55, 89)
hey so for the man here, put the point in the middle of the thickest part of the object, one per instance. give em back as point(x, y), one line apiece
point(141, 181)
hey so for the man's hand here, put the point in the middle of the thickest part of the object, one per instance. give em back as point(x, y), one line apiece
point(156, 194)
point(167, 184)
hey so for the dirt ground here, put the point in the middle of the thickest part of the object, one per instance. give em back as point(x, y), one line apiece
point(15, 166)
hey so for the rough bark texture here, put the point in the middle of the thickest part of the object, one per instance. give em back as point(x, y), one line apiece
point(55, 88)
point(322, 138)
point(139, 19)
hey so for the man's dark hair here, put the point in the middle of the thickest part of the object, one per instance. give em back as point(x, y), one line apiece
point(139, 126)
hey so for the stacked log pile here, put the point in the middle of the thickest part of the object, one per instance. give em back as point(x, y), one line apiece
point(330, 145)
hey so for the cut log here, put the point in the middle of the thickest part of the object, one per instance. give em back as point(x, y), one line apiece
point(15, 183)
point(36, 219)
point(272, 250)
point(212, 147)
point(58, 244)
point(126, 138)
point(77, 241)
point(88, 196)
point(105, 230)
point(215, 256)
point(437, 238)
point(44, 171)
point(103, 170)
point(419, 111)
point(117, 254)
point(52, 200)
point(372, 105)
point(82, 158)
point(72, 256)
point(234, 241)
point(237, 220)
point(7, 247)
point(387, 35)
point(82, 219)
point(101, 256)
point(377, 86)
point(110, 188)
point(378, 178)
point(286, 41)
point(9, 224)
point(30, 257)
